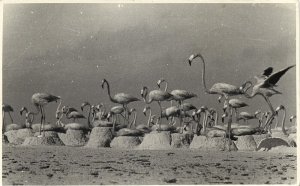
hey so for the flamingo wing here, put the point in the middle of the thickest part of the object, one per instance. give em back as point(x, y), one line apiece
point(274, 78)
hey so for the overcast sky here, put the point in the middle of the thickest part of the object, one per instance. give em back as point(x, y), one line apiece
point(67, 49)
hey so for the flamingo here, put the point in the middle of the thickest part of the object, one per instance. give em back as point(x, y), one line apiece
point(222, 89)
point(118, 110)
point(281, 107)
point(29, 117)
point(40, 100)
point(264, 86)
point(155, 95)
point(247, 116)
point(235, 104)
point(119, 98)
point(75, 115)
point(6, 109)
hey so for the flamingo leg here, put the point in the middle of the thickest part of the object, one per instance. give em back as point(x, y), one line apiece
point(40, 107)
point(229, 127)
point(159, 125)
point(3, 122)
point(236, 115)
point(10, 117)
point(44, 120)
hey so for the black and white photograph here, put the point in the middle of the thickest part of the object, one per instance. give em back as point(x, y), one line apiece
point(150, 92)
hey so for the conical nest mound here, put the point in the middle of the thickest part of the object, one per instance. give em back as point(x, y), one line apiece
point(53, 134)
point(17, 137)
point(35, 141)
point(181, 140)
point(156, 141)
point(125, 142)
point(13, 126)
point(246, 143)
point(73, 138)
point(270, 143)
point(217, 143)
point(100, 137)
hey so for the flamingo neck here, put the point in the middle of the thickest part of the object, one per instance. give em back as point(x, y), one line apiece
point(203, 76)
point(145, 97)
point(108, 92)
point(166, 88)
point(58, 107)
point(216, 118)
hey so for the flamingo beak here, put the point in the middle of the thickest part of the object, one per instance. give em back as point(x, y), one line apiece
point(190, 62)
point(222, 119)
point(81, 108)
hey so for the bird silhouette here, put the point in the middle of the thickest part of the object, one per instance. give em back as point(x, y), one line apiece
point(265, 87)
point(120, 98)
point(40, 100)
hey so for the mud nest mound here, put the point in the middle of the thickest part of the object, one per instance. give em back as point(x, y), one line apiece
point(100, 137)
point(45, 140)
point(246, 143)
point(270, 143)
point(74, 138)
point(129, 132)
point(163, 127)
point(156, 141)
point(13, 126)
point(181, 140)
point(217, 143)
point(17, 137)
point(47, 127)
point(53, 134)
point(125, 142)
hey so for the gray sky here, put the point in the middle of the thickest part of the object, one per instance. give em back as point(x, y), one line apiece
point(67, 49)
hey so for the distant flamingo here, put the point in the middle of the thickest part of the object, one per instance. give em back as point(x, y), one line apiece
point(6, 109)
point(29, 117)
point(40, 100)
point(235, 104)
point(247, 116)
point(293, 117)
point(155, 95)
point(265, 87)
point(120, 98)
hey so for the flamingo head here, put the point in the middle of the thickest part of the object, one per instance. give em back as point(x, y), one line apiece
point(292, 117)
point(103, 81)
point(245, 86)
point(257, 112)
point(193, 56)
point(84, 104)
point(219, 99)
point(280, 107)
point(145, 110)
point(160, 81)
point(22, 110)
point(144, 92)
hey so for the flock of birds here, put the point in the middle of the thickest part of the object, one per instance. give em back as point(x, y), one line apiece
point(119, 117)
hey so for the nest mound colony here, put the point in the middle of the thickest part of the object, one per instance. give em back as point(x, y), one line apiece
point(181, 140)
point(46, 140)
point(73, 137)
point(17, 137)
point(156, 141)
point(246, 143)
point(270, 143)
point(125, 142)
point(217, 143)
point(100, 137)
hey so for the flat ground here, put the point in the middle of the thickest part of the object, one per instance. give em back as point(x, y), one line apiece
point(80, 165)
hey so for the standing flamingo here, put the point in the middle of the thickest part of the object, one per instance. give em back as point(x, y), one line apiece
point(222, 89)
point(6, 109)
point(155, 95)
point(40, 100)
point(265, 87)
point(120, 98)
point(281, 107)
